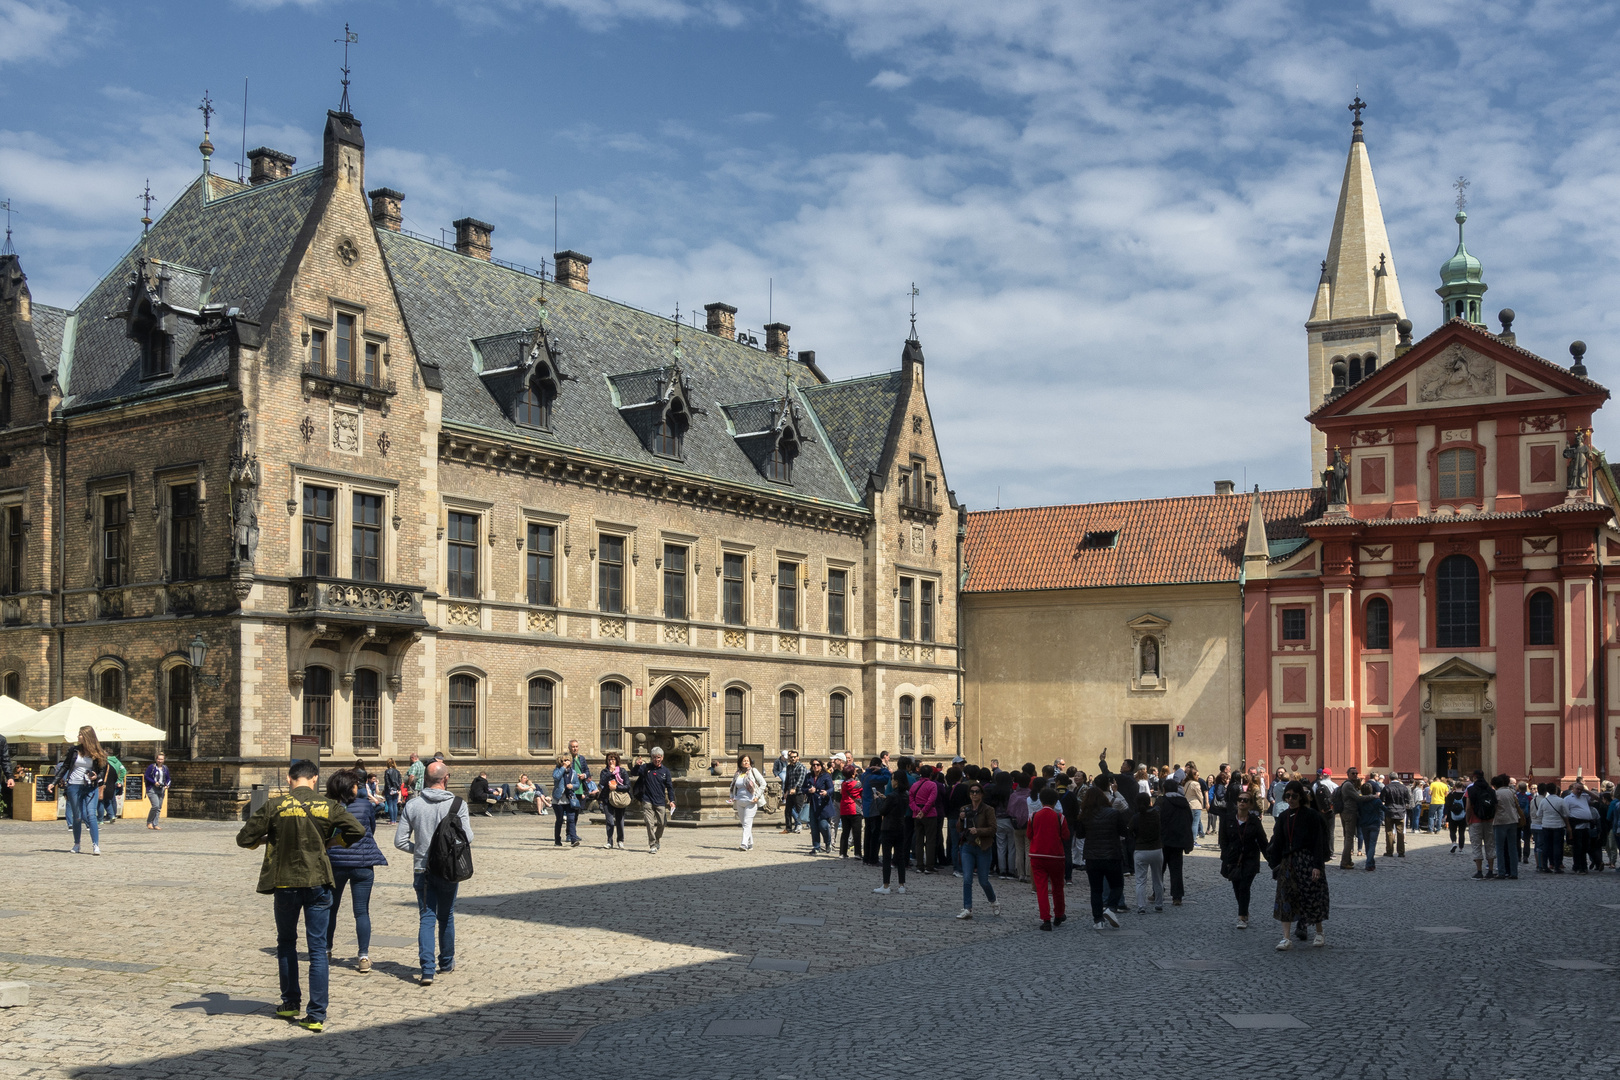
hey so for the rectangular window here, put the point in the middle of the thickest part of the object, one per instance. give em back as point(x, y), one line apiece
point(366, 697)
point(317, 704)
point(461, 556)
point(905, 608)
point(734, 719)
point(1293, 624)
point(541, 559)
point(926, 623)
point(373, 371)
point(928, 725)
point(320, 504)
point(317, 351)
point(610, 574)
point(367, 539)
point(114, 540)
point(787, 596)
point(835, 722)
point(177, 707)
point(907, 739)
point(674, 582)
point(837, 586)
point(182, 532)
point(734, 613)
point(612, 733)
point(14, 549)
point(343, 353)
point(540, 715)
point(463, 712)
point(787, 720)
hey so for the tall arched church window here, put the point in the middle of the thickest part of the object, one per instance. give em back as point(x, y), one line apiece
point(1377, 636)
point(1543, 629)
point(1457, 603)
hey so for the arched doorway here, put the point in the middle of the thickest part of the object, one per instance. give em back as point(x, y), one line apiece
point(668, 710)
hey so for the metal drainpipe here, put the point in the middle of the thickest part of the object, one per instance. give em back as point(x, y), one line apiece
point(1599, 694)
point(961, 532)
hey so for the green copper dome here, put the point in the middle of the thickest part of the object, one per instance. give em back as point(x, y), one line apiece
point(1462, 282)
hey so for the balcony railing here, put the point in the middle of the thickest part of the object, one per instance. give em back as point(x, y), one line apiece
point(919, 505)
point(364, 601)
point(355, 385)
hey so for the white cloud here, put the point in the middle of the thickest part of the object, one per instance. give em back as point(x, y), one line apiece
point(890, 80)
point(35, 30)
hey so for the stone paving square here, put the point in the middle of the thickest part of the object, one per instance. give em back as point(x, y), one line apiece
point(773, 963)
point(1576, 965)
point(800, 920)
point(766, 1028)
point(1262, 1021)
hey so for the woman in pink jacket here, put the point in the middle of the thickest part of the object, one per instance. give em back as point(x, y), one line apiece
point(924, 809)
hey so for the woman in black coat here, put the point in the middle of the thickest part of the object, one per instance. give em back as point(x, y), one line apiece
point(1243, 843)
point(1297, 854)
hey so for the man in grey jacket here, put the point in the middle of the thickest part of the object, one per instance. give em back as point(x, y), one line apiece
point(435, 897)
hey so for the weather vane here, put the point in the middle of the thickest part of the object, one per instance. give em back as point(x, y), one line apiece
point(913, 311)
point(207, 109)
point(677, 331)
point(349, 38)
point(1462, 192)
point(7, 249)
point(146, 208)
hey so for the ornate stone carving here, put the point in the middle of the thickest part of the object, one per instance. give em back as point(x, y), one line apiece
point(1545, 422)
point(610, 628)
point(543, 622)
point(926, 654)
point(787, 643)
point(906, 652)
point(1374, 438)
point(462, 615)
point(1458, 374)
point(345, 431)
point(348, 252)
point(675, 633)
point(838, 647)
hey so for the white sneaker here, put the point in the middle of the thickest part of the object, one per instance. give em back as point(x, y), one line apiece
point(967, 913)
point(1318, 942)
point(995, 907)
point(1285, 944)
point(882, 890)
point(900, 889)
point(95, 849)
point(1113, 920)
point(1243, 924)
point(1100, 926)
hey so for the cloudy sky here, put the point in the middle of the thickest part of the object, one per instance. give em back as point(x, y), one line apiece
point(1114, 212)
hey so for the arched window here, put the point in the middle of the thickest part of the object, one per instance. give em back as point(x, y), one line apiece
point(1355, 370)
point(110, 688)
point(836, 734)
point(1457, 603)
point(541, 695)
point(11, 685)
point(787, 717)
point(1458, 474)
point(1543, 619)
point(781, 466)
point(928, 725)
point(177, 706)
point(612, 733)
point(1369, 364)
point(367, 709)
point(1377, 623)
point(734, 719)
point(463, 712)
point(317, 704)
point(667, 437)
point(908, 740)
point(534, 406)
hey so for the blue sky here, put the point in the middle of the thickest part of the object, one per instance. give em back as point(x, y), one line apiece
point(1114, 212)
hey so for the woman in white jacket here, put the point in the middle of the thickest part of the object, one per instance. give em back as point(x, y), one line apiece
point(746, 793)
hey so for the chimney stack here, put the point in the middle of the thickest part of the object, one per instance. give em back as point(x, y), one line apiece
point(776, 338)
point(722, 320)
point(573, 270)
point(472, 237)
point(343, 151)
point(385, 209)
point(267, 165)
point(1224, 487)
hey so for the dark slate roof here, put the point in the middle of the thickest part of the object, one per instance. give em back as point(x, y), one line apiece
point(856, 414)
point(49, 325)
point(246, 237)
point(604, 350)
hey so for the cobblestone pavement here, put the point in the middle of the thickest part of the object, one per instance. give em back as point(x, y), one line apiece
point(157, 961)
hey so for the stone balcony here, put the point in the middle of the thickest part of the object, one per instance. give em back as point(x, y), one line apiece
point(341, 601)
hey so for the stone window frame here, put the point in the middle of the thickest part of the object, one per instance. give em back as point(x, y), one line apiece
point(917, 575)
point(599, 706)
point(1551, 594)
point(14, 498)
point(1144, 628)
point(666, 539)
point(6, 678)
point(363, 336)
point(632, 558)
point(558, 693)
point(1481, 454)
point(164, 481)
point(351, 694)
point(166, 668)
point(746, 550)
point(800, 716)
point(481, 703)
point(345, 485)
point(845, 692)
point(800, 561)
point(558, 522)
point(96, 491)
point(746, 694)
point(102, 665)
point(849, 569)
point(484, 571)
point(1366, 622)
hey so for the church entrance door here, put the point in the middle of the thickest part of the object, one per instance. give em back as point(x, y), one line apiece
point(1150, 744)
point(1457, 747)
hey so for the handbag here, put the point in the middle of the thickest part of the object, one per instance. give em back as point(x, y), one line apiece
point(618, 798)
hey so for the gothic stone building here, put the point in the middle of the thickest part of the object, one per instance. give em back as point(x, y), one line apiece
point(413, 499)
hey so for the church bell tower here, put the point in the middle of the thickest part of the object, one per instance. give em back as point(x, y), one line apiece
point(1351, 330)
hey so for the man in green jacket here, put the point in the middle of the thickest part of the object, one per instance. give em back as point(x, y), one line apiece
point(296, 829)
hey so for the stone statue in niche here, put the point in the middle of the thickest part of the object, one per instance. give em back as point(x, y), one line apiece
point(1458, 374)
point(1150, 658)
point(244, 527)
point(1336, 478)
point(1579, 456)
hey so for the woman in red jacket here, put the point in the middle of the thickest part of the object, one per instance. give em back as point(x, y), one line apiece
point(849, 812)
point(1048, 839)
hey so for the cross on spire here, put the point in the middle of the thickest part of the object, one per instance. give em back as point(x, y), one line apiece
point(207, 109)
point(913, 311)
point(6, 248)
point(1356, 106)
point(349, 38)
point(146, 208)
point(1461, 184)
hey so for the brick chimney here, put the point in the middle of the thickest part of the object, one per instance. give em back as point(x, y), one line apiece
point(573, 270)
point(386, 212)
point(776, 338)
point(1224, 487)
point(722, 320)
point(472, 237)
point(268, 165)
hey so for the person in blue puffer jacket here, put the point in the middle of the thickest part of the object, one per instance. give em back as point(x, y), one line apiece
point(353, 865)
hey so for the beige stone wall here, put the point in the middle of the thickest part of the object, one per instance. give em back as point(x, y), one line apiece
point(1050, 674)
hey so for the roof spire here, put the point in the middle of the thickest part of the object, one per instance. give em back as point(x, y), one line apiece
point(6, 248)
point(1360, 245)
point(349, 38)
point(1356, 106)
point(913, 336)
point(206, 146)
point(1462, 277)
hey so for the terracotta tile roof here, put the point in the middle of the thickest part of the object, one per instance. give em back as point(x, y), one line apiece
point(1197, 538)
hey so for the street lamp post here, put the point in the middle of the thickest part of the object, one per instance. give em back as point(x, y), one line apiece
point(199, 653)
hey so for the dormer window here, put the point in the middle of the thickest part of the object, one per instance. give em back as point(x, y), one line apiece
point(157, 351)
point(781, 464)
point(534, 407)
point(670, 432)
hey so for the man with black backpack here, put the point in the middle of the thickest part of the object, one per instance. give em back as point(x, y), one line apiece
point(436, 829)
point(1481, 801)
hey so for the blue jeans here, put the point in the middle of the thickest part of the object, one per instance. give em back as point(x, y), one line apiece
point(565, 815)
point(976, 860)
point(1369, 840)
point(391, 805)
point(1412, 819)
point(1507, 850)
point(1198, 824)
point(1552, 848)
point(436, 902)
point(81, 811)
point(820, 833)
point(359, 880)
point(314, 903)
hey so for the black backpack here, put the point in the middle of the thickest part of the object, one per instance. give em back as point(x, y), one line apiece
point(450, 852)
point(1484, 803)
